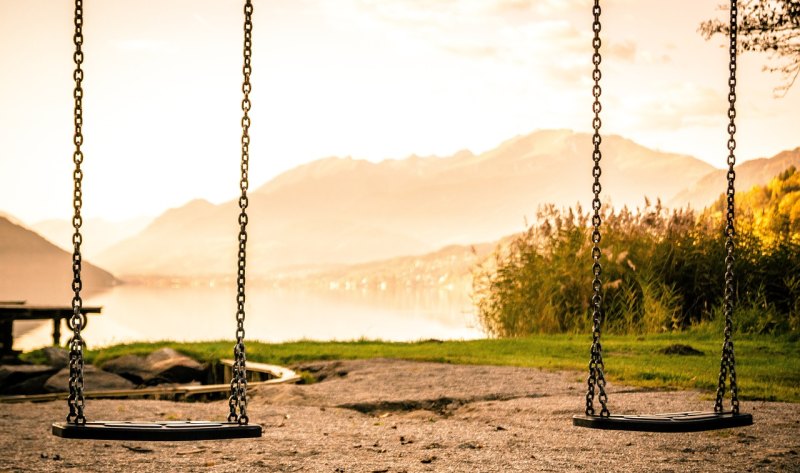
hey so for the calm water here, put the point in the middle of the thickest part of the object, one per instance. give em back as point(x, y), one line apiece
point(144, 313)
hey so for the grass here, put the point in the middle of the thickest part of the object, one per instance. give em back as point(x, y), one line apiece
point(767, 366)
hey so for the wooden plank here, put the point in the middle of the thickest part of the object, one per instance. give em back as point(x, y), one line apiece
point(26, 312)
point(110, 394)
point(279, 372)
point(215, 388)
point(13, 306)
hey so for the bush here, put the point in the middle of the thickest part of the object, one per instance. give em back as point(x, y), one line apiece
point(662, 271)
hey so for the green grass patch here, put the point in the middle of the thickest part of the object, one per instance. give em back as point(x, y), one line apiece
point(767, 366)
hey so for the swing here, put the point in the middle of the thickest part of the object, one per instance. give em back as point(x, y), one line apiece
point(678, 421)
point(237, 424)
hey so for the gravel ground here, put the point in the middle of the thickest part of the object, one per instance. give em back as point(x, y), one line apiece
point(397, 416)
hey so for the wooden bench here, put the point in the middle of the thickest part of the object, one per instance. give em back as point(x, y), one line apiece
point(18, 310)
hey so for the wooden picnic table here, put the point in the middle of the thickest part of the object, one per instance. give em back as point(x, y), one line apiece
point(18, 310)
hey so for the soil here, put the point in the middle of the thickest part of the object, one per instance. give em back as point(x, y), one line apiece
point(389, 416)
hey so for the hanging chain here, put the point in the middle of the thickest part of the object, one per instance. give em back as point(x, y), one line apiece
point(78, 320)
point(728, 363)
point(596, 367)
point(238, 397)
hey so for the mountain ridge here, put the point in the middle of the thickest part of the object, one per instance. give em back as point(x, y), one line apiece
point(37, 271)
point(349, 211)
point(748, 174)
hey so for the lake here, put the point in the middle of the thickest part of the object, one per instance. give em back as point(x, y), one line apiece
point(148, 313)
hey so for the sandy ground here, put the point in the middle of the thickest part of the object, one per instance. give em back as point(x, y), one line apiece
point(396, 416)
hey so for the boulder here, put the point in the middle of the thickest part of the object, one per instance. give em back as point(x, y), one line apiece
point(56, 357)
point(167, 365)
point(13, 375)
point(132, 367)
point(33, 385)
point(94, 379)
point(162, 366)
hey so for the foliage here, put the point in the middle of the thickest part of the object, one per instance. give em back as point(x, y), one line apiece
point(773, 211)
point(662, 270)
point(769, 26)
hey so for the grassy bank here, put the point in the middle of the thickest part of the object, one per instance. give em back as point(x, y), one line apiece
point(767, 366)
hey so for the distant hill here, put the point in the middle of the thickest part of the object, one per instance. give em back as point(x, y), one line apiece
point(756, 172)
point(448, 268)
point(772, 210)
point(98, 234)
point(346, 211)
point(37, 271)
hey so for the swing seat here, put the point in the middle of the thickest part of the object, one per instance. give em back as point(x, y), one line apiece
point(156, 431)
point(694, 421)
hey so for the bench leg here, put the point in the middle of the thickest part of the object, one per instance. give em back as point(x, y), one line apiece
point(57, 332)
point(6, 337)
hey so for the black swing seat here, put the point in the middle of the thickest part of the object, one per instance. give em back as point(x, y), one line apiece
point(156, 431)
point(695, 421)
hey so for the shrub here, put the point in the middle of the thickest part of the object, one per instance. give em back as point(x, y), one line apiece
point(662, 270)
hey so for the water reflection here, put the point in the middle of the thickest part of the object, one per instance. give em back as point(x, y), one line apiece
point(146, 313)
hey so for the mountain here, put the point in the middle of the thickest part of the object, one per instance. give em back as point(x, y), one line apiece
point(37, 271)
point(756, 172)
point(346, 211)
point(98, 234)
point(771, 211)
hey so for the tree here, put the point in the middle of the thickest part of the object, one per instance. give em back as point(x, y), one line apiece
point(767, 26)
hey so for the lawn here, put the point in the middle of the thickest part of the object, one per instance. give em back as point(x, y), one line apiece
point(768, 367)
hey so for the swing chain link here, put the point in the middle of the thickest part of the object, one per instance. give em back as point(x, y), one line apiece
point(77, 320)
point(596, 380)
point(238, 398)
point(728, 362)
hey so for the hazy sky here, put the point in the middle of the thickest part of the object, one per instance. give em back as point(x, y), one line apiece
point(373, 79)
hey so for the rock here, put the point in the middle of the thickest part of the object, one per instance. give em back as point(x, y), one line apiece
point(170, 366)
point(33, 385)
point(683, 350)
point(94, 380)
point(131, 367)
point(162, 366)
point(137, 448)
point(56, 357)
point(13, 375)
point(322, 371)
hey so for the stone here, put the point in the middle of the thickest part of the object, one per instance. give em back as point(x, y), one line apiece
point(162, 366)
point(12, 375)
point(681, 350)
point(94, 379)
point(167, 365)
point(132, 367)
point(33, 385)
point(56, 357)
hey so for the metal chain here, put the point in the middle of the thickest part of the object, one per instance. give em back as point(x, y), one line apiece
point(728, 362)
point(77, 321)
point(596, 367)
point(238, 397)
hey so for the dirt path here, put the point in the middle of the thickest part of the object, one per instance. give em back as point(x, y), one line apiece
point(396, 416)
